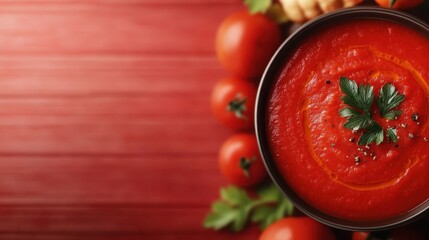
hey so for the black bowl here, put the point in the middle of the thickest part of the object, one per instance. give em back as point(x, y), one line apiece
point(269, 78)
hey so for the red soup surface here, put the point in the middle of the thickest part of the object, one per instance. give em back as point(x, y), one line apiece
point(321, 159)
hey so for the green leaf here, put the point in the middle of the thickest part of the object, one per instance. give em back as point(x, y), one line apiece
point(357, 122)
point(373, 133)
point(257, 6)
point(360, 97)
point(241, 218)
point(220, 207)
point(277, 13)
point(350, 88)
point(348, 112)
point(288, 207)
point(261, 213)
point(234, 196)
point(391, 3)
point(235, 208)
point(285, 208)
point(269, 193)
point(366, 95)
point(392, 134)
point(278, 206)
point(218, 221)
point(391, 115)
point(231, 211)
point(264, 216)
point(389, 99)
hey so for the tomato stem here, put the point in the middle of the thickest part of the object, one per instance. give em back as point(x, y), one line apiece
point(391, 3)
point(245, 164)
point(238, 106)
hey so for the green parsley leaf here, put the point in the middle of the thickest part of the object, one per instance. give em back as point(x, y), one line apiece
point(277, 13)
point(241, 218)
point(269, 192)
point(391, 115)
point(222, 215)
point(348, 112)
point(235, 196)
point(357, 122)
point(373, 133)
point(391, 3)
point(392, 134)
point(389, 99)
point(257, 6)
point(235, 208)
point(267, 214)
point(360, 97)
point(263, 215)
point(366, 95)
point(231, 211)
point(220, 207)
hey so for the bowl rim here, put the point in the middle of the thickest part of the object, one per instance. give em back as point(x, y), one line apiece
point(269, 77)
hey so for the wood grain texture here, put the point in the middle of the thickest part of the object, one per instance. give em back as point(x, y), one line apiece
point(102, 28)
point(105, 125)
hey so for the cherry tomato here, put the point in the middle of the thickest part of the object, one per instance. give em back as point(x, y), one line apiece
point(360, 235)
point(399, 4)
point(233, 103)
point(403, 233)
point(240, 161)
point(245, 43)
point(297, 228)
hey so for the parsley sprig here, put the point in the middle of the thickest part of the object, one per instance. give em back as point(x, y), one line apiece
point(373, 133)
point(389, 99)
point(392, 134)
point(236, 208)
point(358, 113)
point(360, 98)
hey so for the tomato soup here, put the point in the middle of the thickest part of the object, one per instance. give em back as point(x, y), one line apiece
point(323, 161)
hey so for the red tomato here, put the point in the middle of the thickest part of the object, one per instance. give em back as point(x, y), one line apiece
point(297, 228)
point(233, 103)
point(399, 4)
point(245, 43)
point(240, 161)
point(360, 235)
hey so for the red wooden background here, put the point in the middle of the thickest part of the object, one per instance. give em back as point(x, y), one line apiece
point(105, 125)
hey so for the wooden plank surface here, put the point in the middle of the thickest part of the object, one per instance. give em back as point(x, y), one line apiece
point(111, 28)
point(105, 125)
